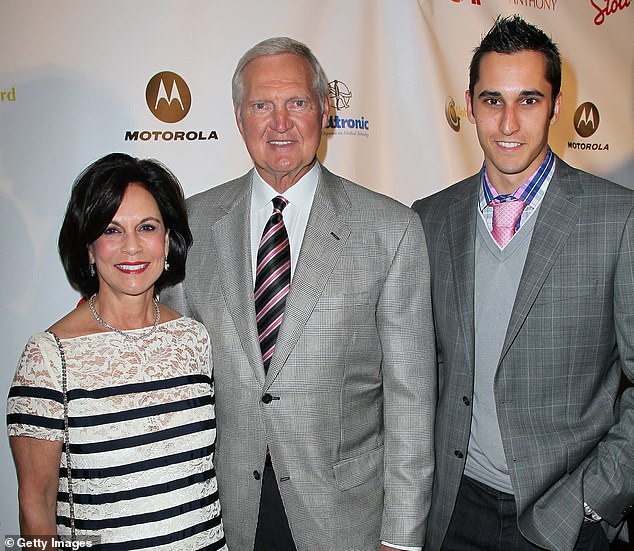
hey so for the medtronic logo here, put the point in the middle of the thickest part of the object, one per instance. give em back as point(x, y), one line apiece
point(586, 119)
point(340, 95)
point(451, 114)
point(168, 97)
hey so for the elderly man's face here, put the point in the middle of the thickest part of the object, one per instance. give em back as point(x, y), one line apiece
point(281, 118)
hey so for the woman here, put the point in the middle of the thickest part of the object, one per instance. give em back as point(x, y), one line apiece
point(124, 379)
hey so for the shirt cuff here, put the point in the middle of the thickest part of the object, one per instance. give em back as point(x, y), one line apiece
point(403, 547)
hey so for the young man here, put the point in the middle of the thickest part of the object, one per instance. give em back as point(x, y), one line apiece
point(533, 290)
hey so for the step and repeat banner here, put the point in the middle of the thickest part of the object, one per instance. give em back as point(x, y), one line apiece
point(152, 78)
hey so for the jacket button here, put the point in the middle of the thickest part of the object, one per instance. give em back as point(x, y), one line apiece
point(256, 475)
point(466, 401)
point(267, 398)
point(459, 454)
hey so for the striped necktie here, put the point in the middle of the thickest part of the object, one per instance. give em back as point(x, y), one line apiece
point(272, 280)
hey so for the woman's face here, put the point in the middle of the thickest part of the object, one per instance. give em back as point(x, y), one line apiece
point(130, 253)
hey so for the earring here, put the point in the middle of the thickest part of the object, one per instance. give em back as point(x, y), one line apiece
point(91, 269)
point(167, 265)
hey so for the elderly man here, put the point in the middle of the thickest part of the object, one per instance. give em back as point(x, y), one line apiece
point(532, 281)
point(315, 292)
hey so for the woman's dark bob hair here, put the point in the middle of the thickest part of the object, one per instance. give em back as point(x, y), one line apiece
point(95, 198)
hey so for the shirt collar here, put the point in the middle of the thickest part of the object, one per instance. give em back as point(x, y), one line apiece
point(299, 194)
point(530, 191)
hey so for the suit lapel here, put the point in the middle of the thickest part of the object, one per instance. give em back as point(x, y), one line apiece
point(556, 218)
point(319, 254)
point(461, 222)
point(231, 235)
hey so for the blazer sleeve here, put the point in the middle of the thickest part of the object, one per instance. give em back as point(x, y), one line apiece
point(608, 484)
point(406, 332)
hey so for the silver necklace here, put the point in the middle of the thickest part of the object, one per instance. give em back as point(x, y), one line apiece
point(127, 335)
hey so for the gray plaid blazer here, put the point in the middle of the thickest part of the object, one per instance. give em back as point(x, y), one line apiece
point(353, 377)
point(567, 435)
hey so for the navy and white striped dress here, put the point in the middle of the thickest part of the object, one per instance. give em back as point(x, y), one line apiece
point(142, 434)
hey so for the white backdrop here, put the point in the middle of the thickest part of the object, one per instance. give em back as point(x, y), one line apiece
point(73, 78)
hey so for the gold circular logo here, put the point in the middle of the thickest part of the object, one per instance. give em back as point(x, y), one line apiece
point(451, 114)
point(586, 119)
point(168, 97)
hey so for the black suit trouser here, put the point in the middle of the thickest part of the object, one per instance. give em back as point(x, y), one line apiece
point(485, 519)
point(273, 532)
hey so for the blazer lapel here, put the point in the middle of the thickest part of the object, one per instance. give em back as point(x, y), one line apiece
point(324, 241)
point(231, 235)
point(461, 222)
point(557, 216)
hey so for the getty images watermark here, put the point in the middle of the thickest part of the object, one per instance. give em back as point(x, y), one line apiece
point(15, 543)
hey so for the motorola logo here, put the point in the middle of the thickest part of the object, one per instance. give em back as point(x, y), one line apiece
point(586, 119)
point(586, 122)
point(168, 97)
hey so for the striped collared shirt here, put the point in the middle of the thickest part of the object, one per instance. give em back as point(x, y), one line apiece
point(531, 192)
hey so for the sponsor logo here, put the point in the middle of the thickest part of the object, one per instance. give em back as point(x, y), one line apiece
point(604, 8)
point(340, 94)
point(589, 146)
point(169, 136)
point(536, 4)
point(340, 97)
point(7, 95)
point(474, 2)
point(453, 114)
point(586, 119)
point(168, 106)
point(340, 122)
point(169, 99)
point(586, 122)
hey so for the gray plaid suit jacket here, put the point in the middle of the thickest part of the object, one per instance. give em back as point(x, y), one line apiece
point(353, 377)
point(567, 435)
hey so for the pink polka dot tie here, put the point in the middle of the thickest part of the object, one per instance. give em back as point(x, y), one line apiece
point(505, 217)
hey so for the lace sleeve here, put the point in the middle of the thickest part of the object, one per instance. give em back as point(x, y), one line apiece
point(35, 405)
point(205, 351)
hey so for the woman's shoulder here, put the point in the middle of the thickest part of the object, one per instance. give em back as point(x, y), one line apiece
point(76, 323)
point(39, 362)
point(189, 325)
point(187, 332)
point(169, 314)
point(41, 343)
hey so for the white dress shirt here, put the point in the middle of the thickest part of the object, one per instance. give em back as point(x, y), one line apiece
point(300, 200)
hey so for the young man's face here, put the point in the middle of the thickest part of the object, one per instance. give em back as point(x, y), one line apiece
point(511, 108)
